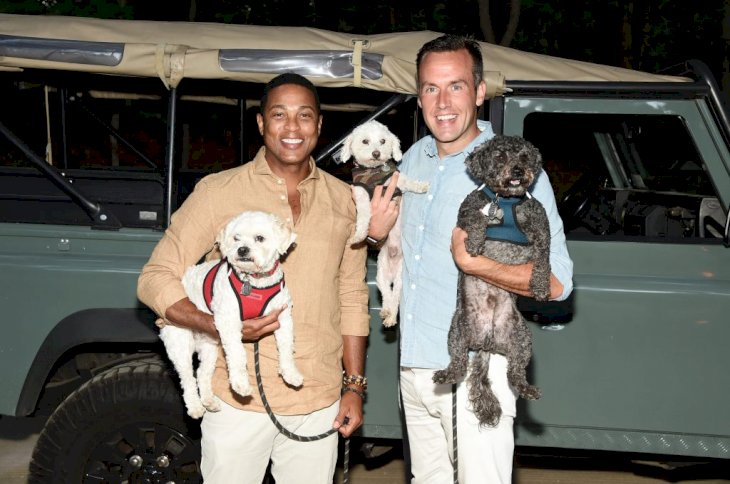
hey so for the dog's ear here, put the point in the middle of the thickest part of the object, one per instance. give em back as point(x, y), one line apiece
point(220, 240)
point(346, 151)
point(397, 153)
point(286, 237)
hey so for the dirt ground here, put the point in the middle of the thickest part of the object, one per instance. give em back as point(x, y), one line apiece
point(18, 436)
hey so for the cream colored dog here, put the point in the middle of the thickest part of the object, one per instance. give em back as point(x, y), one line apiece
point(375, 150)
point(247, 283)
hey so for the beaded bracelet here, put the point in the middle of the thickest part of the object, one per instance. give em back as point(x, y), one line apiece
point(359, 380)
point(353, 390)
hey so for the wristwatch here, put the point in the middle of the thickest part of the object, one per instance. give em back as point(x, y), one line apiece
point(371, 241)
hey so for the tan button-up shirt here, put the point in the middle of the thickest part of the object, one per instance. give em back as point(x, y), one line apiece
point(325, 276)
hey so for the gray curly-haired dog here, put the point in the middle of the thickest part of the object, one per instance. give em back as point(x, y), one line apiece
point(504, 223)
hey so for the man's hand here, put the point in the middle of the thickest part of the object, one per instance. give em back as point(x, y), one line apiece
point(349, 418)
point(256, 328)
point(512, 278)
point(383, 209)
point(464, 260)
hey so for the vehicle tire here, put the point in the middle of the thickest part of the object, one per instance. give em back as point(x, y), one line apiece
point(127, 424)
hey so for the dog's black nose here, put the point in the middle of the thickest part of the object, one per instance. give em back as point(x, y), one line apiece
point(376, 155)
point(243, 251)
point(518, 171)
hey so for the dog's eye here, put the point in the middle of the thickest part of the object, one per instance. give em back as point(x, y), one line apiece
point(366, 141)
point(236, 238)
point(259, 238)
point(382, 141)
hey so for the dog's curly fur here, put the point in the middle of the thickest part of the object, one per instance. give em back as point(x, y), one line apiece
point(373, 145)
point(486, 318)
point(251, 244)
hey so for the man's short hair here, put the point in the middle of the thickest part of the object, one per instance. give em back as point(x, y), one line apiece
point(288, 78)
point(451, 43)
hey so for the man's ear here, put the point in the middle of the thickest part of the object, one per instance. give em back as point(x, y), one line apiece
point(481, 92)
point(260, 122)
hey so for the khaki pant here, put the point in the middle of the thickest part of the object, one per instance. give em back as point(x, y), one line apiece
point(237, 446)
point(485, 454)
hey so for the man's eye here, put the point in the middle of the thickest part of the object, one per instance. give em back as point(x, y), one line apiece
point(259, 238)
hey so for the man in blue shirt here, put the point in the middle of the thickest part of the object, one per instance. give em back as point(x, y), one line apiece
point(450, 90)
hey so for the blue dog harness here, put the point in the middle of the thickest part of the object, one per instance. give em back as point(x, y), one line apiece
point(507, 230)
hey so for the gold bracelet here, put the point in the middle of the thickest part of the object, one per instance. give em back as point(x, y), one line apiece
point(353, 390)
point(359, 380)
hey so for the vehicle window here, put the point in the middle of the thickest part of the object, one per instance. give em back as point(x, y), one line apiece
point(109, 137)
point(105, 142)
point(627, 177)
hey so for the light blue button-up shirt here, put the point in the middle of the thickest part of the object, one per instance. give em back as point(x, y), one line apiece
point(430, 274)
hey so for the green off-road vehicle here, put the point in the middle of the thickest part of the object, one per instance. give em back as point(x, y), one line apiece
point(107, 125)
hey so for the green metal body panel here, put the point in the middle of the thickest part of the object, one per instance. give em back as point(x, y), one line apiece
point(51, 272)
point(642, 365)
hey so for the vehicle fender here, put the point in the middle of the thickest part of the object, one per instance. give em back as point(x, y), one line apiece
point(99, 325)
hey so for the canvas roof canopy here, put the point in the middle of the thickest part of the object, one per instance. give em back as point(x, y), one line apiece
point(173, 51)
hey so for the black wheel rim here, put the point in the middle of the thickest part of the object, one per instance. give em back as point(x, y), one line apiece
point(143, 453)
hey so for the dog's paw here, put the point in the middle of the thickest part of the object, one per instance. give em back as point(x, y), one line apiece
point(531, 393)
point(421, 186)
point(211, 404)
point(292, 376)
point(196, 411)
point(389, 317)
point(241, 386)
point(441, 377)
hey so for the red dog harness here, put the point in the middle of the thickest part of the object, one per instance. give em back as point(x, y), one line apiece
point(251, 305)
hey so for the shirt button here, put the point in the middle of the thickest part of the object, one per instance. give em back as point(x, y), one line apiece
point(430, 197)
point(421, 227)
point(418, 257)
point(410, 316)
point(441, 167)
point(279, 182)
point(288, 219)
point(413, 286)
point(283, 197)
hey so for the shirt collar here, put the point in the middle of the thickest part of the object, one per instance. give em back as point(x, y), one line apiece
point(261, 166)
point(485, 128)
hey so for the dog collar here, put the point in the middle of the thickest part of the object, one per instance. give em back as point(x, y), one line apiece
point(246, 286)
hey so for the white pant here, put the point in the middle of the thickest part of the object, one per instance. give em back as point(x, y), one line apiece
point(237, 445)
point(484, 453)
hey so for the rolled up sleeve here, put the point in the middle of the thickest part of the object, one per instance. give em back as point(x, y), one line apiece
point(561, 264)
point(189, 237)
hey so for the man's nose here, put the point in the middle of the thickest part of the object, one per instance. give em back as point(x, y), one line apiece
point(443, 98)
point(292, 122)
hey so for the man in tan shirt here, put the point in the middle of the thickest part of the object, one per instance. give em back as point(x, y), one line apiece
point(326, 278)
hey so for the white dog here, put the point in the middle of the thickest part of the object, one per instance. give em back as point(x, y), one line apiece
point(373, 146)
point(247, 283)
